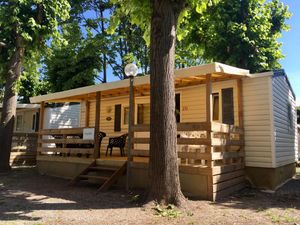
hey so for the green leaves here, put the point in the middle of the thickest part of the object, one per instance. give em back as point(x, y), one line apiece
point(241, 33)
point(32, 22)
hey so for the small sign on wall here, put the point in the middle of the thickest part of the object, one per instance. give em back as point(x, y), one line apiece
point(88, 133)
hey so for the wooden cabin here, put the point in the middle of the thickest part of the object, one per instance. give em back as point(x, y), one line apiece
point(232, 126)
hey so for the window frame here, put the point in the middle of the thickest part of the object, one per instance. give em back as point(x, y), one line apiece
point(217, 93)
point(125, 106)
point(22, 122)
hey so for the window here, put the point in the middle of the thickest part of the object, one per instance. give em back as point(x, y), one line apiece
point(19, 123)
point(117, 121)
point(33, 122)
point(143, 113)
point(177, 107)
point(126, 115)
point(227, 106)
point(216, 109)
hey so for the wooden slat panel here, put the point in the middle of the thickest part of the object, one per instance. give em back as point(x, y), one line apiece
point(141, 128)
point(227, 168)
point(185, 155)
point(227, 176)
point(67, 150)
point(221, 194)
point(226, 155)
point(225, 142)
point(62, 131)
point(191, 169)
point(197, 126)
point(194, 155)
point(193, 141)
point(228, 183)
point(66, 141)
point(137, 152)
point(225, 128)
point(141, 140)
point(202, 126)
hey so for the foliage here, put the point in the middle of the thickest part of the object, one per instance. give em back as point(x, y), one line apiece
point(240, 33)
point(118, 48)
point(75, 63)
point(169, 211)
point(35, 22)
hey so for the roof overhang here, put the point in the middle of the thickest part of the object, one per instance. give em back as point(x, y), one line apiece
point(186, 76)
point(25, 106)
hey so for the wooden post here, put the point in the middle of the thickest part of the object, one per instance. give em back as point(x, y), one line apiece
point(240, 103)
point(208, 98)
point(97, 125)
point(130, 130)
point(240, 114)
point(209, 137)
point(42, 110)
point(87, 113)
point(41, 125)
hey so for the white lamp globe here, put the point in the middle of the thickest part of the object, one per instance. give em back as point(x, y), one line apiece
point(131, 70)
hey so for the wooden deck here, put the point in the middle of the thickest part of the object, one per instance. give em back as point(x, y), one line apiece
point(209, 149)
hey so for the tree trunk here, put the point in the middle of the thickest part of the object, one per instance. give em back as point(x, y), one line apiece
point(9, 105)
point(164, 175)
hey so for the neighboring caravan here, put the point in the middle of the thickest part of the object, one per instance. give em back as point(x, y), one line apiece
point(27, 118)
point(232, 125)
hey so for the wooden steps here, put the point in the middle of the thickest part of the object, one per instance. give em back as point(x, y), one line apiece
point(105, 175)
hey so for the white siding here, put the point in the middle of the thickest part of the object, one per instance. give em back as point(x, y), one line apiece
point(66, 116)
point(285, 131)
point(257, 121)
point(298, 142)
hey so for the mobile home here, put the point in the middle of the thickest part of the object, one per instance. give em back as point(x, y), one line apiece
point(232, 126)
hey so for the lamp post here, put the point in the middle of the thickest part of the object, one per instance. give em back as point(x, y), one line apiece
point(131, 71)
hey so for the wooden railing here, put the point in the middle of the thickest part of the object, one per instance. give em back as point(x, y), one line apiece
point(24, 147)
point(212, 149)
point(65, 142)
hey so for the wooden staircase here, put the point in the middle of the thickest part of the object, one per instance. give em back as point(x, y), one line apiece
point(105, 175)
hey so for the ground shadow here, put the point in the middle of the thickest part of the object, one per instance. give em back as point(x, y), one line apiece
point(288, 196)
point(23, 190)
point(24, 193)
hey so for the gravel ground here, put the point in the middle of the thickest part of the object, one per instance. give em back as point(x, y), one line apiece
point(29, 198)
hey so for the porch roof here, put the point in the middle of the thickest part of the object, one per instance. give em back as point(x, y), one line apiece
point(183, 77)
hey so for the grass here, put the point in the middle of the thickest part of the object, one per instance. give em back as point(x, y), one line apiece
point(169, 211)
point(285, 218)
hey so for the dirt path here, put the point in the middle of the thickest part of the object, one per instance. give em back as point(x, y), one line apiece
point(29, 198)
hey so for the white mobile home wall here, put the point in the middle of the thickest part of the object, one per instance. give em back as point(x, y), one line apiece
point(285, 120)
point(270, 138)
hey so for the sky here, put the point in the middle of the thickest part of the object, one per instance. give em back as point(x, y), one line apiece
point(291, 47)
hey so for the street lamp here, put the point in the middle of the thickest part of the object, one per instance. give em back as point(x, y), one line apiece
point(131, 71)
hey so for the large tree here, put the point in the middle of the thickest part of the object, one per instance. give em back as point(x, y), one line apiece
point(24, 28)
point(164, 17)
point(241, 33)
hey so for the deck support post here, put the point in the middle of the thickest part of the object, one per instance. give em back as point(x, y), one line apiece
point(240, 103)
point(240, 114)
point(130, 129)
point(209, 147)
point(87, 113)
point(41, 124)
point(97, 125)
